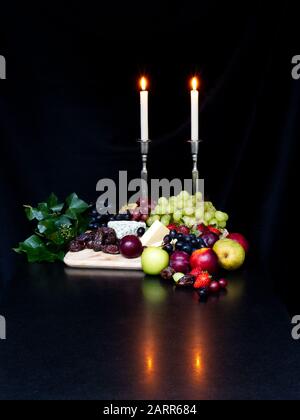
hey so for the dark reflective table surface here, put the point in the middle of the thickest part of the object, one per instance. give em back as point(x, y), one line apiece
point(84, 334)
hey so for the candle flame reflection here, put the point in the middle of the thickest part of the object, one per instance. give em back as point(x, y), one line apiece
point(194, 83)
point(149, 364)
point(143, 83)
point(197, 367)
point(198, 364)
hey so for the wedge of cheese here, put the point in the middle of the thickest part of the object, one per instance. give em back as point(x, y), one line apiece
point(155, 234)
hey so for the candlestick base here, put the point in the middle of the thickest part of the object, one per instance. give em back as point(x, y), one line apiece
point(144, 172)
point(195, 172)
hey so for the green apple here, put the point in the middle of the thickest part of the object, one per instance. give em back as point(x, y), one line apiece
point(230, 253)
point(154, 260)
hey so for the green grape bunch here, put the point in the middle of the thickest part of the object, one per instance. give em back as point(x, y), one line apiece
point(189, 210)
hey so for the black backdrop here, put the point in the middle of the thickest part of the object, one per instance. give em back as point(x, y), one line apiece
point(70, 115)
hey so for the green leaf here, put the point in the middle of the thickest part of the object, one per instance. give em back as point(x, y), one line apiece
point(63, 221)
point(35, 213)
point(58, 229)
point(43, 207)
point(58, 208)
point(76, 206)
point(56, 225)
point(82, 223)
point(53, 204)
point(52, 200)
point(47, 225)
point(36, 250)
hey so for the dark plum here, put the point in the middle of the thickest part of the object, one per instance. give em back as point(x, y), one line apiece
point(131, 246)
point(210, 239)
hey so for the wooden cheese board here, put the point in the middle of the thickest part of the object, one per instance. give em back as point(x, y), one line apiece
point(91, 259)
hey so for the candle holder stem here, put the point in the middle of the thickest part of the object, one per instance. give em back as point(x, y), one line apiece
point(144, 172)
point(195, 172)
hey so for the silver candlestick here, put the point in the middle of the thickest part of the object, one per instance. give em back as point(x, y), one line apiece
point(195, 172)
point(144, 172)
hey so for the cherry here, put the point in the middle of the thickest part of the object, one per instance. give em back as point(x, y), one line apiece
point(223, 283)
point(214, 287)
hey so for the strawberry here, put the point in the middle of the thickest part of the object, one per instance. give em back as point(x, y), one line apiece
point(195, 272)
point(183, 229)
point(203, 280)
point(202, 228)
point(172, 226)
point(214, 230)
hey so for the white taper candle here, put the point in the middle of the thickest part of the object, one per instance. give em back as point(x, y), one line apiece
point(194, 110)
point(144, 110)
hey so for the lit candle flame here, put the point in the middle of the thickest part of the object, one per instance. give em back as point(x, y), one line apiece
point(194, 83)
point(143, 83)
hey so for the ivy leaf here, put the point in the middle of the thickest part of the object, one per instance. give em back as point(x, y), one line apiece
point(56, 225)
point(63, 231)
point(36, 250)
point(47, 226)
point(63, 221)
point(76, 206)
point(82, 223)
point(33, 213)
point(58, 208)
point(53, 204)
point(58, 229)
point(52, 200)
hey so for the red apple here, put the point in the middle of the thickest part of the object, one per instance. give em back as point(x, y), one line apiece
point(205, 259)
point(238, 237)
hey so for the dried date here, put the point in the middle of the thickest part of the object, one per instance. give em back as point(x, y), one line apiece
point(111, 249)
point(76, 246)
point(167, 273)
point(186, 281)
